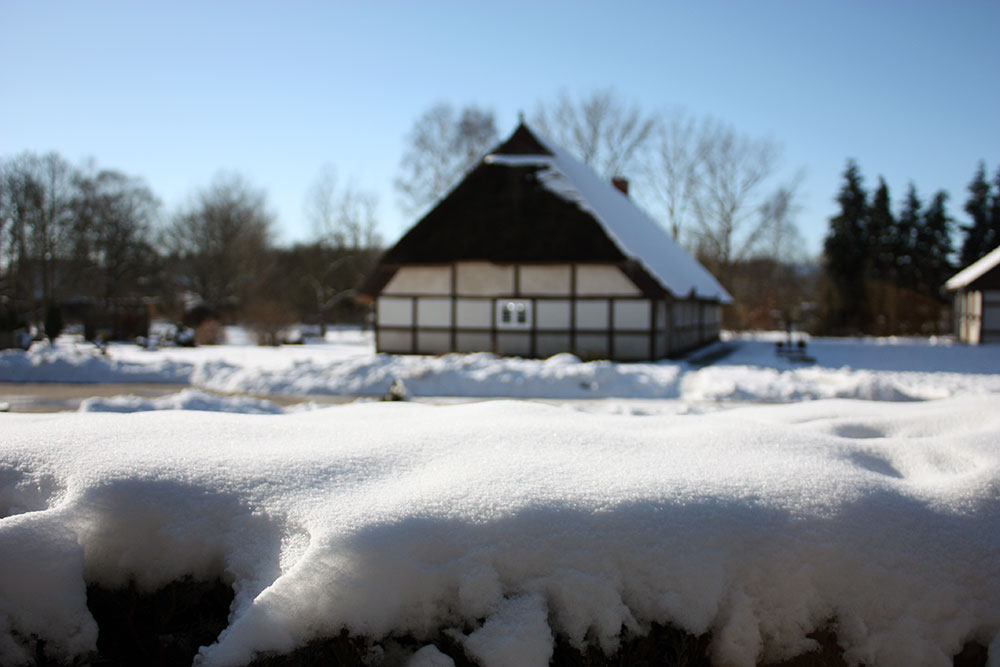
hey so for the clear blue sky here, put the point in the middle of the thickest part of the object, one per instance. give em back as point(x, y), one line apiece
point(176, 91)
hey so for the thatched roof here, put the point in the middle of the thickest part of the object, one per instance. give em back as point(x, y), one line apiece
point(530, 201)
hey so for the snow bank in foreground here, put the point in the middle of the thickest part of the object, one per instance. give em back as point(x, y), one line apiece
point(758, 524)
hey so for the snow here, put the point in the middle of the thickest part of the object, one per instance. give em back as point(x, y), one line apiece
point(189, 399)
point(870, 369)
point(695, 496)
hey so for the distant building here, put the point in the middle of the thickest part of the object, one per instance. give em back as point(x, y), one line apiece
point(977, 300)
point(533, 254)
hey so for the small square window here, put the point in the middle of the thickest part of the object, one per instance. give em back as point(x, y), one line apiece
point(514, 314)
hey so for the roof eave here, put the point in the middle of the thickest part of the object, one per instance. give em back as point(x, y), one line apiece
point(974, 271)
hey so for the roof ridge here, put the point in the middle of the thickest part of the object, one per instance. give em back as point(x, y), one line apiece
point(522, 142)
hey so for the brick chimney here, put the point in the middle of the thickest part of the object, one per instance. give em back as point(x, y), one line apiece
point(621, 184)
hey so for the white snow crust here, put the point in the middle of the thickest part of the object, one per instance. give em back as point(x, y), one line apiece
point(758, 523)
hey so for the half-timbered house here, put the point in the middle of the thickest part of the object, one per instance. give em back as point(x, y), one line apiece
point(533, 254)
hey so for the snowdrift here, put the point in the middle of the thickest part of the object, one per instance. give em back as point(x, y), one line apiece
point(510, 523)
point(886, 369)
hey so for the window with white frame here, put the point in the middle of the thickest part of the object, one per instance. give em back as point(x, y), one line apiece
point(513, 314)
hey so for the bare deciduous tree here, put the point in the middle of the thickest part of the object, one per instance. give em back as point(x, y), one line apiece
point(37, 218)
point(115, 215)
point(345, 227)
point(766, 281)
point(674, 168)
point(606, 134)
point(731, 186)
point(441, 147)
point(777, 234)
point(342, 217)
point(221, 239)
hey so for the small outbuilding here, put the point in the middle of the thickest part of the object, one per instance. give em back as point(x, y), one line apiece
point(977, 300)
point(533, 254)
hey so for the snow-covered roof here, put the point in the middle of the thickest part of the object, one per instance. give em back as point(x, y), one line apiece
point(634, 233)
point(974, 271)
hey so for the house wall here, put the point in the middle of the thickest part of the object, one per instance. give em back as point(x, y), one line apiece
point(592, 310)
point(990, 332)
point(977, 316)
point(419, 280)
point(966, 316)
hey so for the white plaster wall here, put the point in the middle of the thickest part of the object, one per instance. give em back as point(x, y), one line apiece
point(685, 313)
point(547, 345)
point(662, 349)
point(964, 316)
point(394, 312)
point(713, 319)
point(420, 280)
point(961, 316)
point(591, 346)
point(685, 338)
point(473, 342)
point(484, 279)
point(603, 280)
point(592, 314)
point(551, 280)
point(433, 342)
point(974, 311)
point(433, 312)
point(632, 315)
point(473, 313)
point(514, 344)
point(552, 314)
point(991, 315)
point(394, 341)
point(631, 347)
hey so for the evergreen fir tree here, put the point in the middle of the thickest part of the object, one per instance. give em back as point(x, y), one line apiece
point(993, 238)
point(905, 244)
point(979, 237)
point(845, 252)
point(880, 233)
point(933, 248)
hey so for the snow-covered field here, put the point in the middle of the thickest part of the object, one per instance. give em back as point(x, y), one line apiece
point(755, 498)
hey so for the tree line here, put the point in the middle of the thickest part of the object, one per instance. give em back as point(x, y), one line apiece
point(884, 272)
point(95, 246)
point(98, 239)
